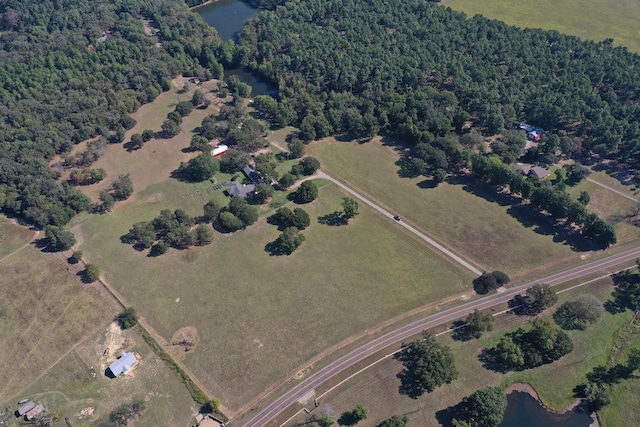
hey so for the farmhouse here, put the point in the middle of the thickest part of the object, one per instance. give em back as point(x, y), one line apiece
point(251, 174)
point(537, 171)
point(239, 190)
point(533, 133)
point(125, 362)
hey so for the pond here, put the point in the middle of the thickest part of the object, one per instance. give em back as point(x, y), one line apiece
point(228, 18)
point(524, 410)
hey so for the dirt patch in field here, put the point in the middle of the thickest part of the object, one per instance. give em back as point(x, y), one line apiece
point(113, 345)
point(184, 340)
point(154, 197)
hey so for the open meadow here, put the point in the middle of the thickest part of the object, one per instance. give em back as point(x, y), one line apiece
point(377, 387)
point(463, 214)
point(258, 316)
point(68, 388)
point(13, 236)
point(45, 311)
point(588, 19)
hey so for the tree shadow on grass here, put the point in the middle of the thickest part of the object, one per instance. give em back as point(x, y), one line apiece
point(426, 184)
point(274, 249)
point(489, 359)
point(461, 332)
point(335, 219)
point(446, 416)
point(44, 245)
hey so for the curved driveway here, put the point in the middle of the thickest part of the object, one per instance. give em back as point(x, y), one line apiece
point(306, 386)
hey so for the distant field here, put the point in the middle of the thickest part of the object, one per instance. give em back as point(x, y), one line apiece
point(588, 19)
point(68, 388)
point(377, 387)
point(258, 316)
point(464, 216)
point(44, 312)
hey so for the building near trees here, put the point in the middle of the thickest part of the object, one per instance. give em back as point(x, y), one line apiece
point(124, 364)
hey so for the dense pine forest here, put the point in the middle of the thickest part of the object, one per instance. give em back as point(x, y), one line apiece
point(421, 70)
point(71, 70)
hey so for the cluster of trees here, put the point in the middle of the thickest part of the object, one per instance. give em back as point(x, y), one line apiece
point(537, 298)
point(62, 86)
point(428, 364)
point(237, 215)
point(555, 202)
point(120, 189)
point(87, 176)
point(475, 68)
point(128, 318)
point(169, 229)
point(291, 222)
point(525, 349)
point(305, 167)
point(482, 408)
point(472, 326)
point(490, 281)
point(58, 238)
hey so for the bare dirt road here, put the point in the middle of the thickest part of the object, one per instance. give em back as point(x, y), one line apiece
point(306, 386)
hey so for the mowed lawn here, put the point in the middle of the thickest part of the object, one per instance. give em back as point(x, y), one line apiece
point(45, 310)
point(377, 387)
point(588, 19)
point(474, 226)
point(68, 388)
point(260, 316)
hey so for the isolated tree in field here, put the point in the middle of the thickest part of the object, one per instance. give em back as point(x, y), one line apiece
point(349, 208)
point(128, 318)
point(76, 257)
point(309, 165)
point(59, 239)
point(484, 407)
point(473, 326)
point(122, 187)
point(578, 313)
point(136, 141)
point(395, 421)
point(123, 414)
point(324, 421)
point(287, 180)
point(541, 297)
point(148, 135)
point(307, 192)
point(428, 364)
point(353, 417)
point(92, 272)
point(584, 198)
point(170, 128)
point(203, 235)
point(290, 239)
point(263, 193)
point(184, 108)
point(108, 201)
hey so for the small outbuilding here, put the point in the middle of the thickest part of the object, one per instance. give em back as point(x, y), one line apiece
point(251, 174)
point(37, 410)
point(26, 407)
point(124, 364)
point(219, 150)
point(539, 172)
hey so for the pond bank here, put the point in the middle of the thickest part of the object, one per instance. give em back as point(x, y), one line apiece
point(528, 389)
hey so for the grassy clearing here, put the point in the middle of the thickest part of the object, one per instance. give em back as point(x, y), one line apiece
point(610, 181)
point(68, 388)
point(44, 312)
point(12, 236)
point(611, 207)
point(258, 316)
point(377, 388)
point(595, 20)
point(469, 217)
point(154, 162)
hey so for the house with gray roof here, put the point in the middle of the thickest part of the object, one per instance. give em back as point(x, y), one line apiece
point(240, 190)
point(539, 172)
point(251, 174)
point(125, 362)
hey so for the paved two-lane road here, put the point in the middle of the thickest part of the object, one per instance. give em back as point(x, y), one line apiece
point(316, 379)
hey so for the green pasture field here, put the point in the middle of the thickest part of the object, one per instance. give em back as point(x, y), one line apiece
point(588, 19)
point(467, 216)
point(12, 236)
point(611, 207)
point(377, 387)
point(68, 388)
point(258, 317)
point(45, 310)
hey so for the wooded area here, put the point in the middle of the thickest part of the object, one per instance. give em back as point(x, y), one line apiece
point(73, 70)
